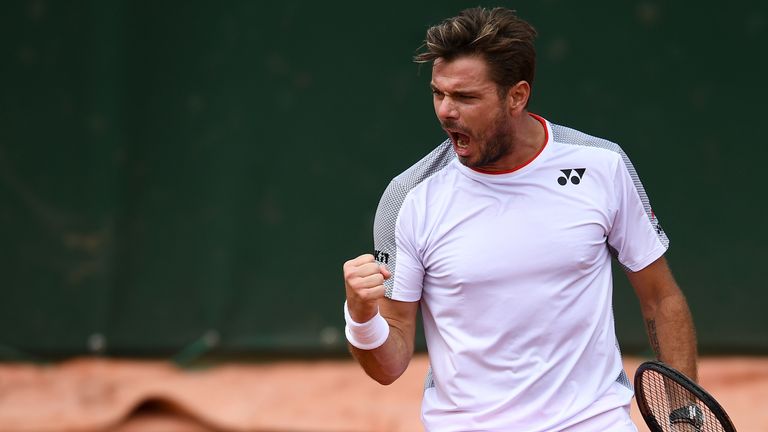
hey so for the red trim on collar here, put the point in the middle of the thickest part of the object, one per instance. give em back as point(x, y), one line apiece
point(511, 170)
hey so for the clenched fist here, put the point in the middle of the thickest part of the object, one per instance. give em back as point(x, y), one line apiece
point(364, 281)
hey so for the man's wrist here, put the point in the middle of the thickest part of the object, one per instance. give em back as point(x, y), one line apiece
point(368, 335)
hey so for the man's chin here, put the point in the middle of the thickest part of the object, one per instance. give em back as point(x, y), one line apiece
point(468, 162)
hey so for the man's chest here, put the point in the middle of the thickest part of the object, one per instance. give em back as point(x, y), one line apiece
point(486, 235)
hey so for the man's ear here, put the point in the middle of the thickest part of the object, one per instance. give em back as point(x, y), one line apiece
point(517, 97)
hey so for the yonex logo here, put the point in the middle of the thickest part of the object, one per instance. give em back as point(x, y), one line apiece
point(578, 174)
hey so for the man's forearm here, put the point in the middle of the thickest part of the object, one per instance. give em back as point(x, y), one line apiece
point(365, 312)
point(386, 363)
point(671, 334)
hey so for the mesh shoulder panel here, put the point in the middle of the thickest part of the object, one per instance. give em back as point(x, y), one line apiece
point(392, 200)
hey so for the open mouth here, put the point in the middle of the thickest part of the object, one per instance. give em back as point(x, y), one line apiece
point(460, 139)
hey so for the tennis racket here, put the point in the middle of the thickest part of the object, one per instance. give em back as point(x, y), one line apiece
point(670, 402)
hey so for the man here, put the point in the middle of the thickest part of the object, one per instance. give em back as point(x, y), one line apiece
point(503, 235)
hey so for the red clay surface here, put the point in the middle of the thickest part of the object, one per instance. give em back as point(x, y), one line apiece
point(334, 396)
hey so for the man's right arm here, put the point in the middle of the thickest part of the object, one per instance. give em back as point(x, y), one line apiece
point(364, 283)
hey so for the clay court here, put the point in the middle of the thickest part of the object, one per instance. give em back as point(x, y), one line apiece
point(328, 395)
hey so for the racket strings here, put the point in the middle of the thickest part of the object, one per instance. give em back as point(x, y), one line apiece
point(675, 408)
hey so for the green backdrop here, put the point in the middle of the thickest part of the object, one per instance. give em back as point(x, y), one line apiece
point(173, 170)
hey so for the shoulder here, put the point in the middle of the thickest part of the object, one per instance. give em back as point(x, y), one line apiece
point(416, 175)
point(577, 141)
point(431, 164)
point(569, 136)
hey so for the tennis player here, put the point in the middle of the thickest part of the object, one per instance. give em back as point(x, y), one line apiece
point(503, 235)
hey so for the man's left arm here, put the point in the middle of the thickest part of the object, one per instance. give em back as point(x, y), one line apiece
point(667, 316)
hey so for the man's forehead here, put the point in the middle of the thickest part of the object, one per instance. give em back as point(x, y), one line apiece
point(465, 71)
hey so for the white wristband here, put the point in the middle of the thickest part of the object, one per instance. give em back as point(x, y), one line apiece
point(368, 335)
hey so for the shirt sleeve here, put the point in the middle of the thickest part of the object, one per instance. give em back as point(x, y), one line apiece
point(636, 237)
point(393, 235)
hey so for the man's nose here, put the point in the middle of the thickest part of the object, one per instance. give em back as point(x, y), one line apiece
point(446, 109)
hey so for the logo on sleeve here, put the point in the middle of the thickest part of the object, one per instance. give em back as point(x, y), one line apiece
point(574, 175)
point(655, 223)
point(381, 257)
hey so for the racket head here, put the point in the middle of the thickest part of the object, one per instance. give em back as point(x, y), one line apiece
point(660, 389)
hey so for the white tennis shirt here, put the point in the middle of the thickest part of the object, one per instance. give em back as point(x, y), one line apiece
point(513, 272)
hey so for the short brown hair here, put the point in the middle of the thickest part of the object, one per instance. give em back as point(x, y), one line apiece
point(503, 39)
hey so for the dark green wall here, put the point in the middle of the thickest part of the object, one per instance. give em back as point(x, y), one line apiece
point(172, 168)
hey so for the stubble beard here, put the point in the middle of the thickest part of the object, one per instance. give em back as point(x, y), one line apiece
point(495, 147)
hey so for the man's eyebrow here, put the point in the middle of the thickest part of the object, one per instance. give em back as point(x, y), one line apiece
point(463, 92)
